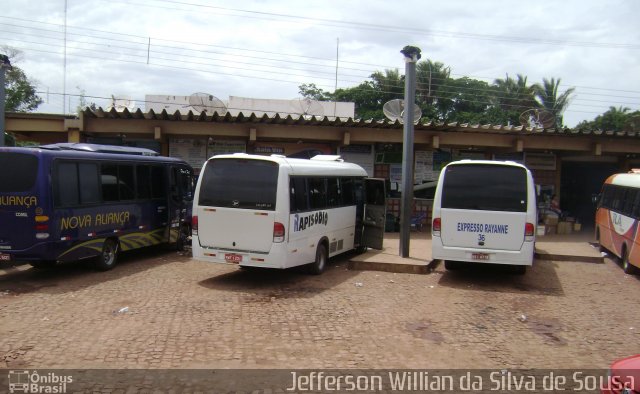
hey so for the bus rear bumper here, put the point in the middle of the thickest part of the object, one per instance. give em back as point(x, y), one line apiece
point(273, 259)
point(524, 256)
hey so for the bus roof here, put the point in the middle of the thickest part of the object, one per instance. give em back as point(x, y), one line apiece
point(83, 154)
point(326, 165)
point(99, 148)
point(493, 162)
point(631, 179)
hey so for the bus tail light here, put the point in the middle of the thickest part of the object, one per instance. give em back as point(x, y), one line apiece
point(435, 228)
point(529, 231)
point(278, 232)
point(42, 227)
point(194, 225)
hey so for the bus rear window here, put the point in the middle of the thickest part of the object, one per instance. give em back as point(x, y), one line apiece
point(239, 183)
point(23, 173)
point(485, 187)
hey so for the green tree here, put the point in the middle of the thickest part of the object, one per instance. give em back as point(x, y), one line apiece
point(549, 99)
point(311, 91)
point(615, 119)
point(20, 91)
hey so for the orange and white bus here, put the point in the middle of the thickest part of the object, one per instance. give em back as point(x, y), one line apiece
point(617, 218)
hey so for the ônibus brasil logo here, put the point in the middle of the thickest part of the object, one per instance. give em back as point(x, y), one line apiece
point(33, 382)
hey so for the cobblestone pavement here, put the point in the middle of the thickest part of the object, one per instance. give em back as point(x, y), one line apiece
point(159, 309)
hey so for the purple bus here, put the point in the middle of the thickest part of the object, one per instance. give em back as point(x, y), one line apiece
point(67, 202)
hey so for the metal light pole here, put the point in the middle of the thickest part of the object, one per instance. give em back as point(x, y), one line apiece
point(4, 64)
point(411, 57)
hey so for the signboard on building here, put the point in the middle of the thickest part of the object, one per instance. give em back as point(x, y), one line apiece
point(540, 161)
point(193, 151)
point(359, 154)
point(223, 147)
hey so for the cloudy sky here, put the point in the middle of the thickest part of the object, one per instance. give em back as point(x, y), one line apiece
point(266, 49)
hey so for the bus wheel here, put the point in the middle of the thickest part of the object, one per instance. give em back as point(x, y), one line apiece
point(109, 256)
point(626, 264)
point(317, 267)
point(43, 265)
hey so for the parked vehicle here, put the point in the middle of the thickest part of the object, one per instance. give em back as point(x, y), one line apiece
point(617, 218)
point(484, 212)
point(67, 202)
point(278, 212)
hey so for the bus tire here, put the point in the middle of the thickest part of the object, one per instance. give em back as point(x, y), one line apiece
point(627, 267)
point(108, 258)
point(318, 266)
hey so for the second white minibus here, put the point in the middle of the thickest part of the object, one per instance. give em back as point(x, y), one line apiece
point(484, 212)
point(278, 212)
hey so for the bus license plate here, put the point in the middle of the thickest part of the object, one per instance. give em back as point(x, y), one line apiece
point(233, 258)
point(5, 257)
point(480, 256)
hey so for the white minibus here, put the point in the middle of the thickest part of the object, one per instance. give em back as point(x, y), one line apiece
point(484, 212)
point(278, 212)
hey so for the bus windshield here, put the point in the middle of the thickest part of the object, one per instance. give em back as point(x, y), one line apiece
point(240, 183)
point(23, 174)
point(485, 187)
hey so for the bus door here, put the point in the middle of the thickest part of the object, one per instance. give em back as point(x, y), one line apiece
point(180, 203)
point(375, 209)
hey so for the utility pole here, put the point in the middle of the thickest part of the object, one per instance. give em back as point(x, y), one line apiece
point(411, 57)
point(4, 65)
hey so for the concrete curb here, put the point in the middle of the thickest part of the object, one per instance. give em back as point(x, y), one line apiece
point(562, 257)
point(419, 269)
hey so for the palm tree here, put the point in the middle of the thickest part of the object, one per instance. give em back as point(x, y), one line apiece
point(548, 97)
point(514, 94)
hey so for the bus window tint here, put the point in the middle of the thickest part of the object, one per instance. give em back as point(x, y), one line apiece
point(239, 183)
point(317, 193)
point(298, 198)
point(334, 193)
point(24, 170)
point(89, 186)
point(66, 185)
point(109, 181)
point(484, 187)
point(126, 184)
point(158, 182)
point(143, 181)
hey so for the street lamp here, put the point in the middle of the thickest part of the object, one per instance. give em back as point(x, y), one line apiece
point(4, 64)
point(411, 57)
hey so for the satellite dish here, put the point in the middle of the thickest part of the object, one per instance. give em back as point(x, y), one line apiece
point(122, 102)
point(394, 110)
point(205, 102)
point(540, 118)
point(307, 108)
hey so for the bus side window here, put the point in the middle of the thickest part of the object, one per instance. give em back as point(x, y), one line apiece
point(317, 193)
point(143, 181)
point(126, 184)
point(348, 191)
point(628, 202)
point(298, 196)
point(334, 193)
point(158, 182)
point(636, 206)
point(89, 183)
point(66, 193)
point(109, 182)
